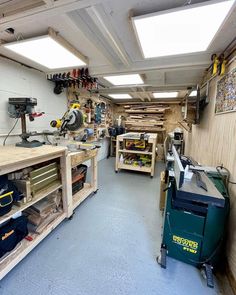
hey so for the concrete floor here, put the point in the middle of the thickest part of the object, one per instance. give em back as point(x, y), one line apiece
point(108, 248)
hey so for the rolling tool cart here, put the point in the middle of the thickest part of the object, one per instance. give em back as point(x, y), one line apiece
point(195, 218)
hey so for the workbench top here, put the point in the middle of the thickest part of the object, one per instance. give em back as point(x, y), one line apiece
point(131, 135)
point(12, 155)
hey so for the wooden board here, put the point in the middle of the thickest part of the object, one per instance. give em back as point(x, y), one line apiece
point(162, 200)
point(80, 196)
point(135, 152)
point(212, 143)
point(144, 112)
point(79, 157)
point(169, 118)
point(134, 168)
point(14, 158)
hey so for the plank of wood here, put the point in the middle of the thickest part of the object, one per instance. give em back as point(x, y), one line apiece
point(144, 112)
point(134, 168)
point(140, 129)
point(13, 158)
point(80, 196)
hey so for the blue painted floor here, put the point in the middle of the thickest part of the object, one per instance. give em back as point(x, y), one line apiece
point(108, 248)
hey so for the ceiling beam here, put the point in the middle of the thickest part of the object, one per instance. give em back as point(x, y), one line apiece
point(147, 89)
point(99, 17)
point(55, 36)
point(157, 65)
point(148, 102)
point(76, 20)
point(43, 11)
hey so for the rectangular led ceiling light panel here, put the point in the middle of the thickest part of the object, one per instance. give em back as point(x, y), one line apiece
point(171, 94)
point(46, 51)
point(183, 30)
point(120, 96)
point(133, 79)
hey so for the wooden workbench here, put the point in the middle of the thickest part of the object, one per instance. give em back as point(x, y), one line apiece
point(152, 140)
point(75, 159)
point(16, 158)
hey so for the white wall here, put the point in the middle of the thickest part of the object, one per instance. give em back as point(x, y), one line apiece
point(20, 81)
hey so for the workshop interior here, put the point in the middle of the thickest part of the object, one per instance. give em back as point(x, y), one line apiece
point(117, 147)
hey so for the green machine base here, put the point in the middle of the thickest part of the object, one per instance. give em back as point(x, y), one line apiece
point(194, 231)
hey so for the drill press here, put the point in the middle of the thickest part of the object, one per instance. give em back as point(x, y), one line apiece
point(19, 107)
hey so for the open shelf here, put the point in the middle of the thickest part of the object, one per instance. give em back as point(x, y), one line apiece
point(135, 168)
point(39, 196)
point(80, 196)
point(24, 247)
point(135, 152)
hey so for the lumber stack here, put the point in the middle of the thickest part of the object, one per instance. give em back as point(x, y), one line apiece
point(145, 117)
point(42, 213)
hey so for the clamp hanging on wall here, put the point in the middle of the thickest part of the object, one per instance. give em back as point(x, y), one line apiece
point(79, 78)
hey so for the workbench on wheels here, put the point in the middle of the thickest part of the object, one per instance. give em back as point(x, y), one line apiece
point(14, 159)
point(146, 154)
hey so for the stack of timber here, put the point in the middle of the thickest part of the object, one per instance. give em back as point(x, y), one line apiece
point(145, 117)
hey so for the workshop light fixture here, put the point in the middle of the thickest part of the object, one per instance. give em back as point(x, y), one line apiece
point(183, 30)
point(171, 94)
point(120, 80)
point(193, 93)
point(50, 51)
point(120, 96)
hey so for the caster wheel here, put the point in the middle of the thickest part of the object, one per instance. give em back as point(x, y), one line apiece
point(116, 171)
point(95, 191)
point(151, 176)
point(71, 217)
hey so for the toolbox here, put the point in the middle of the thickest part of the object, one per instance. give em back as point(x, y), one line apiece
point(12, 233)
point(79, 175)
point(135, 144)
point(43, 177)
point(8, 195)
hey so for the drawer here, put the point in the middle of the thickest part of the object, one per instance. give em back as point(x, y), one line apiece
point(80, 157)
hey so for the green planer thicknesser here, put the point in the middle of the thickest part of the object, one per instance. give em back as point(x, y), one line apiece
point(195, 218)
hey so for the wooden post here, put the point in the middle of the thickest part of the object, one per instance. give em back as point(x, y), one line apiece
point(117, 151)
point(66, 185)
point(154, 142)
point(94, 180)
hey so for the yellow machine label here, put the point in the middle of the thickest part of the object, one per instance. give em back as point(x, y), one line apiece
point(7, 235)
point(188, 245)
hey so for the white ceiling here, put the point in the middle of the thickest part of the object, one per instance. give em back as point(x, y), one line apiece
point(102, 31)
